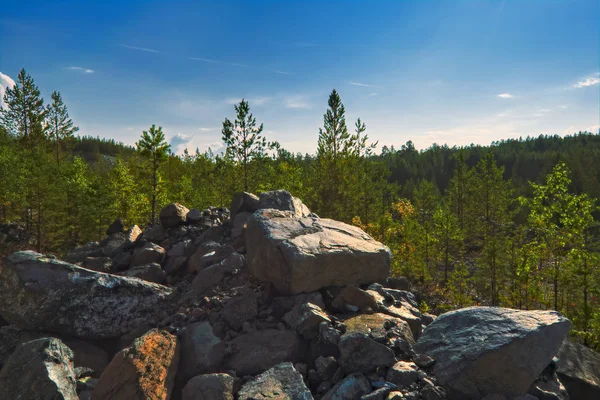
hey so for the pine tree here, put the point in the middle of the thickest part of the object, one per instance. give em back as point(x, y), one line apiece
point(153, 146)
point(60, 127)
point(243, 140)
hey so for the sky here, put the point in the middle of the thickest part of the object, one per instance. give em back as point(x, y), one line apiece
point(446, 72)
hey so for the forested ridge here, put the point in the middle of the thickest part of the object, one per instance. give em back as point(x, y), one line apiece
point(511, 224)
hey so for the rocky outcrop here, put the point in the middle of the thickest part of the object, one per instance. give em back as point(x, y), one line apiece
point(37, 292)
point(279, 382)
point(307, 254)
point(579, 370)
point(486, 350)
point(146, 370)
point(39, 370)
point(283, 200)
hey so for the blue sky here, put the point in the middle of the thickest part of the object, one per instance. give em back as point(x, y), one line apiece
point(455, 72)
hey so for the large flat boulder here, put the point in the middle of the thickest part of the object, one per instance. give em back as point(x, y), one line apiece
point(481, 351)
point(145, 370)
point(284, 201)
point(282, 382)
point(306, 254)
point(41, 293)
point(579, 370)
point(39, 370)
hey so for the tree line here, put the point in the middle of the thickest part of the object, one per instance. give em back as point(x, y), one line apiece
point(512, 224)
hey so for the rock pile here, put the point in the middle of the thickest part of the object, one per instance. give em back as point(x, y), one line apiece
point(262, 301)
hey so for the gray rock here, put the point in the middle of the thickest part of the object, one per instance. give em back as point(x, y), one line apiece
point(214, 275)
point(304, 255)
point(88, 356)
point(244, 202)
point(351, 387)
point(147, 254)
point(99, 264)
point(403, 374)
point(209, 387)
point(152, 273)
point(353, 296)
point(359, 353)
point(209, 254)
point(201, 350)
point(258, 351)
point(116, 227)
point(380, 325)
point(282, 200)
point(280, 382)
point(193, 216)
point(396, 305)
point(281, 305)
point(121, 261)
point(240, 309)
point(37, 292)
point(239, 224)
point(305, 319)
point(155, 233)
point(78, 254)
point(173, 215)
point(326, 367)
point(491, 350)
point(579, 370)
point(41, 369)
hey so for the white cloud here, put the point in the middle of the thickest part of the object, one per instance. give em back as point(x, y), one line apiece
point(593, 128)
point(210, 60)
point(505, 96)
point(589, 81)
point(81, 69)
point(178, 141)
point(282, 72)
point(140, 48)
point(359, 84)
point(253, 101)
point(297, 102)
point(5, 82)
point(206, 129)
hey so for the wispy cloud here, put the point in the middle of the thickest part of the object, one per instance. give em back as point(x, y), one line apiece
point(297, 102)
point(211, 61)
point(81, 69)
point(253, 101)
point(206, 129)
point(282, 72)
point(5, 82)
point(589, 81)
point(140, 48)
point(505, 96)
point(373, 94)
point(360, 84)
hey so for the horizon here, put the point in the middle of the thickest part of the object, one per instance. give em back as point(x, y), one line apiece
point(457, 73)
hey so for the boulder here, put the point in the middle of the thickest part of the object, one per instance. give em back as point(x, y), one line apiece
point(39, 370)
point(173, 215)
point(193, 216)
point(283, 200)
point(351, 387)
point(257, 351)
point(393, 303)
point(306, 318)
point(209, 387)
point(10, 337)
point(244, 202)
point(491, 350)
point(116, 227)
point(282, 382)
point(201, 350)
point(240, 309)
point(41, 293)
point(351, 297)
point(207, 255)
point(214, 275)
point(403, 374)
point(304, 255)
point(121, 262)
point(78, 254)
point(99, 264)
point(239, 224)
point(146, 370)
point(152, 273)
point(281, 305)
point(579, 370)
point(326, 367)
point(359, 353)
point(88, 355)
point(147, 254)
point(379, 325)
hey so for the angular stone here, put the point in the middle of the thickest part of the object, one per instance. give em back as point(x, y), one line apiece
point(146, 370)
point(359, 353)
point(88, 355)
point(152, 273)
point(257, 351)
point(209, 387)
point(78, 254)
point(326, 367)
point(173, 215)
point(282, 382)
point(282, 200)
point(202, 351)
point(193, 216)
point(375, 325)
point(491, 350)
point(402, 374)
point(147, 254)
point(579, 370)
point(240, 309)
point(353, 296)
point(40, 369)
point(244, 202)
point(305, 319)
point(239, 224)
point(214, 275)
point(399, 308)
point(99, 264)
point(351, 387)
point(37, 292)
point(116, 227)
point(307, 254)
